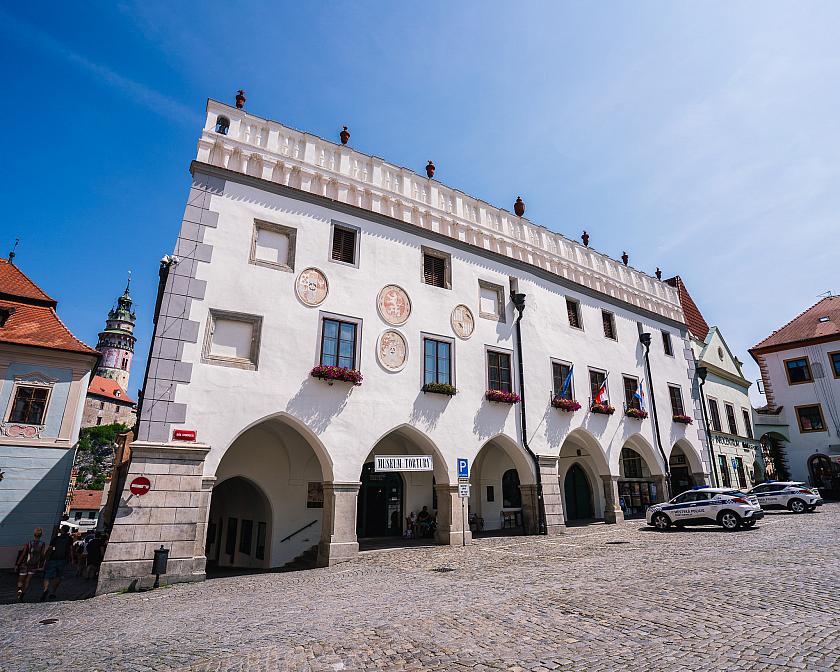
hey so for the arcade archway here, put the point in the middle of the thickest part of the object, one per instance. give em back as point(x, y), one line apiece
point(585, 483)
point(641, 479)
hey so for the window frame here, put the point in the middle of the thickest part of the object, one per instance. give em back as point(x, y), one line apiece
point(488, 350)
point(636, 460)
point(250, 363)
point(578, 314)
point(555, 392)
point(609, 317)
point(288, 231)
point(716, 426)
point(438, 339)
point(747, 417)
point(725, 472)
point(357, 345)
point(807, 366)
point(357, 235)
point(678, 388)
point(447, 266)
point(818, 406)
point(35, 383)
point(592, 390)
point(731, 420)
point(500, 293)
point(631, 402)
point(835, 370)
point(667, 343)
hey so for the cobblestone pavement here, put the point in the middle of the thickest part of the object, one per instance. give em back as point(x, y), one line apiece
point(619, 597)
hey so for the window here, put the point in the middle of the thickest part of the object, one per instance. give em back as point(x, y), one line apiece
point(260, 552)
point(124, 364)
point(101, 404)
point(730, 419)
point(437, 361)
point(747, 423)
point(725, 474)
point(573, 310)
point(91, 515)
point(810, 418)
point(631, 463)
point(491, 493)
point(99, 420)
point(77, 515)
point(222, 125)
point(490, 301)
point(560, 373)
point(798, 370)
point(511, 494)
point(436, 268)
point(30, 405)
point(609, 325)
point(631, 386)
point(273, 246)
point(498, 371)
point(338, 343)
point(834, 358)
point(232, 339)
point(344, 244)
point(667, 346)
point(714, 414)
point(675, 393)
point(596, 379)
point(246, 538)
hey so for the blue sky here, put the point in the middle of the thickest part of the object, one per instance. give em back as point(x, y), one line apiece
point(700, 137)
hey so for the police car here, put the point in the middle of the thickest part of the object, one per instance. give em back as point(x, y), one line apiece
point(795, 496)
point(704, 505)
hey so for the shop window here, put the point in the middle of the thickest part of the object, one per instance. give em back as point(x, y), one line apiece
point(498, 371)
point(246, 539)
point(631, 463)
point(338, 343)
point(30, 404)
point(725, 474)
point(798, 370)
point(573, 311)
point(491, 493)
point(232, 339)
point(810, 418)
point(260, 551)
point(273, 245)
point(511, 494)
point(230, 538)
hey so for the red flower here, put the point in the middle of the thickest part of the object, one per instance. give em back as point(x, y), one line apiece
point(337, 373)
point(502, 396)
point(569, 405)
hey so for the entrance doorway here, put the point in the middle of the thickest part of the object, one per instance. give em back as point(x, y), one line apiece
point(578, 495)
point(380, 509)
point(238, 526)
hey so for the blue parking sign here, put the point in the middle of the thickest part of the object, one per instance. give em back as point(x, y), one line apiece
point(463, 467)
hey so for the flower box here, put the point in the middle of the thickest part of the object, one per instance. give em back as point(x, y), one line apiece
point(603, 409)
point(340, 373)
point(502, 397)
point(637, 413)
point(568, 405)
point(440, 388)
point(684, 419)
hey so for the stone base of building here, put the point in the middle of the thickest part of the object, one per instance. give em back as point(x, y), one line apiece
point(119, 575)
point(333, 553)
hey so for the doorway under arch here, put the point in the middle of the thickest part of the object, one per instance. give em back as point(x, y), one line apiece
point(239, 525)
point(578, 491)
point(380, 509)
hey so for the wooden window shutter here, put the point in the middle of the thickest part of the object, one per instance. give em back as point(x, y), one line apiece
point(344, 245)
point(434, 270)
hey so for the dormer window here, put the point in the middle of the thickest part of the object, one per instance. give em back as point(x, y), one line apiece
point(117, 394)
point(222, 125)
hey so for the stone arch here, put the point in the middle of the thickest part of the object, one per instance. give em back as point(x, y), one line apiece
point(583, 440)
point(239, 526)
point(581, 448)
point(651, 456)
point(424, 442)
point(521, 460)
point(695, 462)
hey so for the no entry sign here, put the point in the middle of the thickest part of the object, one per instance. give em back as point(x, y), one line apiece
point(140, 486)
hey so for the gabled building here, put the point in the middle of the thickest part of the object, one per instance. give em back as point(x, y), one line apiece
point(107, 403)
point(728, 411)
point(44, 374)
point(800, 372)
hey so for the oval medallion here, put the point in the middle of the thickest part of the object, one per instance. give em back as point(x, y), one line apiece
point(311, 287)
point(394, 305)
point(392, 350)
point(463, 322)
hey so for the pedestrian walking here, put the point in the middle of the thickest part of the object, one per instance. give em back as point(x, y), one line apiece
point(95, 550)
point(29, 561)
point(58, 553)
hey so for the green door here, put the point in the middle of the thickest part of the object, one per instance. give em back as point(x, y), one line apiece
point(578, 495)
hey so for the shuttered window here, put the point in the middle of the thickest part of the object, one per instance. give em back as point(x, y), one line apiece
point(609, 324)
point(573, 309)
point(344, 245)
point(434, 270)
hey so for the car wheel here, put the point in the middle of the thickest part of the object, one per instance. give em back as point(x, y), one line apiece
point(797, 506)
point(730, 521)
point(661, 522)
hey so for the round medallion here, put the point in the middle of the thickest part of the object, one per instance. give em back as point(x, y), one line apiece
point(463, 322)
point(394, 305)
point(392, 350)
point(311, 287)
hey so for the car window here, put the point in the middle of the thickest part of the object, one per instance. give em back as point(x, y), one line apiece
point(760, 488)
point(702, 496)
point(734, 493)
point(777, 488)
point(683, 498)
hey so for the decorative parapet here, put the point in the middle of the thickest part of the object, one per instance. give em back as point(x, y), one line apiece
point(270, 151)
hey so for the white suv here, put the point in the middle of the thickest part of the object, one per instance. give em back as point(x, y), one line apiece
point(703, 505)
point(795, 496)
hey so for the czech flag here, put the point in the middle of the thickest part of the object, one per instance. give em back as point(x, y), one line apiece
point(602, 395)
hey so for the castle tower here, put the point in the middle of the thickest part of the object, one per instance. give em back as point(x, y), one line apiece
point(116, 342)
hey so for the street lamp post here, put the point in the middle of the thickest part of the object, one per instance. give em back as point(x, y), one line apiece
point(702, 372)
point(644, 339)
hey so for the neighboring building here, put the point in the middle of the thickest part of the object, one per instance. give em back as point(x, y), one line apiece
point(800, 371)
point(85, 506)
point(116, 342)
point(295, 252)
point(737, 454)
point(44, 373)
point(107, 403)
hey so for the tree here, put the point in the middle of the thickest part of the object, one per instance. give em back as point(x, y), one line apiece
point(780, 460)
point(95, 455)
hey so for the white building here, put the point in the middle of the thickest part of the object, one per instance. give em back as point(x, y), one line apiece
point(800, 371)
point(296, 252)
point(734, 449)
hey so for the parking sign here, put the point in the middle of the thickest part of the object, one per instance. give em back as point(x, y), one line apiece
point(463, 467)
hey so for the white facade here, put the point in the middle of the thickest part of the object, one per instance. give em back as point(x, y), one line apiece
point(287, 436)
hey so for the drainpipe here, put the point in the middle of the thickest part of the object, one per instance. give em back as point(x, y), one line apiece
point(519, 303)
point(644, 338)
point(702, 371)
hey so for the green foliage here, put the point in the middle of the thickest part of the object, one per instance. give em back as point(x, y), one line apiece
point(440, 388)
point(95, 454)
point(780, 461)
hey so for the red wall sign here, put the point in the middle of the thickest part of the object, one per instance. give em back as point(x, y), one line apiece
point(183, 435)
point(140, 486)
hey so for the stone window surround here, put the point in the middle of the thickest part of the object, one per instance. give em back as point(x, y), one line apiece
point(682, 401)
point(358, 321)
point(447, 263)
point(252, 362)
point(594, 369)
point(578, 312)
point(357, 231)
point(552, 362)
point(500, 302)
point(609, 315)
point(667, 343)
point(288, 231)
point(443, 339)
point(30, 380)
point(504, 351)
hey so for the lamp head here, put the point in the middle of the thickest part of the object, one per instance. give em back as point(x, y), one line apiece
point(518, 301)
point(702, 372)
point(644, 339)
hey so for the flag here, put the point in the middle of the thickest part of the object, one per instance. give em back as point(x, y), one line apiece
point(567, 382)
point(602, 391)
point(640, 395)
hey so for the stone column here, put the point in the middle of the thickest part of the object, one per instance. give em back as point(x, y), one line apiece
point(172, 514)
point(530, 509)
point(451, 520)
point(612, 510)
point(552, 498)
point(338, 527)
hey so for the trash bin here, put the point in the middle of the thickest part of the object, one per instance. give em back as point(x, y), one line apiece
point(159, 563)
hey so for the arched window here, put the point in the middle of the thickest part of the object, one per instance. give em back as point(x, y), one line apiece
point(631, 462)
point(511, 494)
point(222, 125)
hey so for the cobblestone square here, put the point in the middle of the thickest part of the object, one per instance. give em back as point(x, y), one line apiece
point(602, 597)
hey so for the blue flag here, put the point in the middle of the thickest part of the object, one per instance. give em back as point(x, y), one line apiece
point(567, 381)
point(640, 395)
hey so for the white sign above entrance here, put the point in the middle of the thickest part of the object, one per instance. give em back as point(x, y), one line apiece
point(403, 463)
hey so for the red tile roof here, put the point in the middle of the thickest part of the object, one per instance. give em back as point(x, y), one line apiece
point(693, 317)
point(105, 387)
point(14, 284)
point(86, 499)
point(806, 327)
